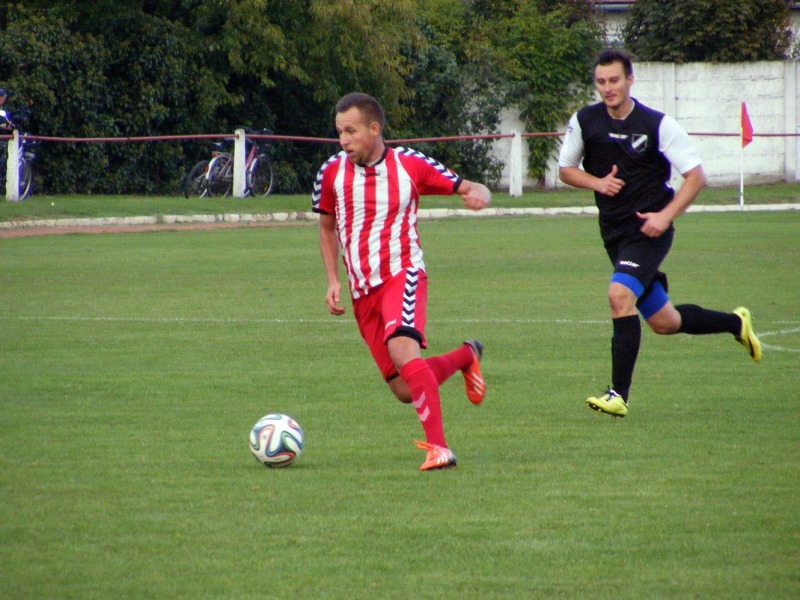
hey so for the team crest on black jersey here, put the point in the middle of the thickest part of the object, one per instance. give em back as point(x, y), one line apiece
point(639, 142)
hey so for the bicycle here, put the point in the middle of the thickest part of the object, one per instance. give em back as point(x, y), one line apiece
point(196, 183)
point(258, 170)
point(27, 152)
point(214, 177)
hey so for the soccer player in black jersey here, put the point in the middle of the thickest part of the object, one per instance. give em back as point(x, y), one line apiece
point(628, 151)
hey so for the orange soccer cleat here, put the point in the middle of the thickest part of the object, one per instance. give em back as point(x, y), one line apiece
point(473, 380)
point(438, 457)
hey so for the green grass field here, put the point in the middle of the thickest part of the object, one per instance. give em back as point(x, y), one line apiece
point(56, 207)
point(134, 365)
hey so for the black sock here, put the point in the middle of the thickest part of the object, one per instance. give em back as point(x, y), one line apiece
point(700, 321)
point(624, 351)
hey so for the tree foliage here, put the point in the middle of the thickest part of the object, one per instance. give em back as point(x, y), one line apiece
point(339, 47)
point(142, 76)
point(530, 56)
point(543, 55)
point(683, 31)
point(452, 93)
point(129, 68)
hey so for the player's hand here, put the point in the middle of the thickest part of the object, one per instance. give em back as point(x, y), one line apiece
point(475, 196)
point(654, 224)
point(332, 299)
point(610, 185)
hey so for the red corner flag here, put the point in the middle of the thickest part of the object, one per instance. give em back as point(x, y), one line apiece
point(747, 127)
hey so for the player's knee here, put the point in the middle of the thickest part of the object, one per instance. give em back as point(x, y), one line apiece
point(400, 390)
point(666, 321)
point(621, 300)
point(663, 328)
point(403, 397)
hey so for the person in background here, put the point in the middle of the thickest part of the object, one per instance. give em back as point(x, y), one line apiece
point(628, 151)
point(367, 197)
point(5, 125)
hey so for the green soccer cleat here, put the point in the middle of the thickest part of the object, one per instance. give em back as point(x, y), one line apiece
point(747, 336)
point(610, 403)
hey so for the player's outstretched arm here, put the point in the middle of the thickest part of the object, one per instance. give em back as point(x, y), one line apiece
point(329, 248)
point(476, 196)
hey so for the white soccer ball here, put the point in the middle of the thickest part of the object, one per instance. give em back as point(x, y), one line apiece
point(276, 440)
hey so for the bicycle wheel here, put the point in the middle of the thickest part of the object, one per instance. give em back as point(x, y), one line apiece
point(259, 176)
point(25, 178)
point(195, 183)
point(217, 182)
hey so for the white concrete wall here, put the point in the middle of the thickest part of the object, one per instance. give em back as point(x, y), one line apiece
point(706, 98)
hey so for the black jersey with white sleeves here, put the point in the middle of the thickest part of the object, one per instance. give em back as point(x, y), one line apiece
point(644, 146)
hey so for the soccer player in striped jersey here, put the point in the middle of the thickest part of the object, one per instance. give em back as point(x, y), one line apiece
point(367, 197)
point(628, 151)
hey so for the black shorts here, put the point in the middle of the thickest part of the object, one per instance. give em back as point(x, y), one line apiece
point(640, 257)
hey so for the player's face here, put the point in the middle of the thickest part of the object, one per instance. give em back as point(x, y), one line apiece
point(361, 140)
point(613, 86)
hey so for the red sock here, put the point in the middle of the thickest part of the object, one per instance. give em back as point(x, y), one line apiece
point(444, 365)
point(425, 398)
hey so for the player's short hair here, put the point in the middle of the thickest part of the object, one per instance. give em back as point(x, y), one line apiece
point(612, 55)
point(369, 107)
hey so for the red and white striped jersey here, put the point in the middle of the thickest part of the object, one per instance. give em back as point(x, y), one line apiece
point(376, 211)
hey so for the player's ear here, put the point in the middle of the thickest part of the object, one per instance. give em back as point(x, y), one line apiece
point(375, 128)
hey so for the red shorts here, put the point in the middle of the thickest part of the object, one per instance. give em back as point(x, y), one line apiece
point(398, 307)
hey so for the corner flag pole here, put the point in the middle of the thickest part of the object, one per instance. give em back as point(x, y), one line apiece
point(741, 177)
point(747, 137)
